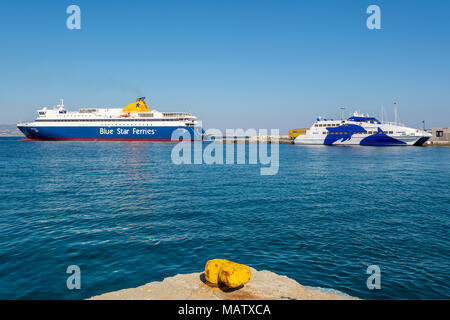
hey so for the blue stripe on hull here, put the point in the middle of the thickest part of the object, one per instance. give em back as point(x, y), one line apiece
point(380, 139)
point(342, 133)
point(109, 133)
point(345, 133)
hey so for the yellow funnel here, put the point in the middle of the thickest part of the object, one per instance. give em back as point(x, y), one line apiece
point(138, 106)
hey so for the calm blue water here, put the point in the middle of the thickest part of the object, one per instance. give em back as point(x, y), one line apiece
point(127, 216)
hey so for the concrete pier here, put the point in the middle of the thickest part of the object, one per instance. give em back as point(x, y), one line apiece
point(263, 285)
point(254, 139)
point(441, 137)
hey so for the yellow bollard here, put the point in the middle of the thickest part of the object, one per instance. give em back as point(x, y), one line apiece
point(212, 268)
point(228, 273)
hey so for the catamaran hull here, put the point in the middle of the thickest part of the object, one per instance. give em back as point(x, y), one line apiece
point(361, 130)
point(374, 140)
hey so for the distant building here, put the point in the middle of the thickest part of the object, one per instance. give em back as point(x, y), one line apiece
point(441, 134)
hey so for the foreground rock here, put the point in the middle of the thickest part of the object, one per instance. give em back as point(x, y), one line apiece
point(263, 285)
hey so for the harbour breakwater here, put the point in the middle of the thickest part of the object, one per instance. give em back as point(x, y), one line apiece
point(437, 143)
point(284, 139)
point(263, 285)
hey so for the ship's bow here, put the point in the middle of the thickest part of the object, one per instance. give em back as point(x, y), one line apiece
point(25, 129)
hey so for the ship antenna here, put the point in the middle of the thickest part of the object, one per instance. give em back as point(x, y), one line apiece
point(396, 112)
point(382, 113)
point(342, 112)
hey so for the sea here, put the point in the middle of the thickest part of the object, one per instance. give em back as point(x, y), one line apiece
point(125, 214)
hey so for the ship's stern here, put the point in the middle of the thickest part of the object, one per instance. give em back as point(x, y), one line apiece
point(423, 137)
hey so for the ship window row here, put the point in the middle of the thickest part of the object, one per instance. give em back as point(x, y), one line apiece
point(338, 124)
point(106, 120)
point(331, 125)
point(368, 132)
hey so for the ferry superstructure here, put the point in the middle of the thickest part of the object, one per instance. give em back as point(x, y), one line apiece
point(134, 122)
point(360, 129)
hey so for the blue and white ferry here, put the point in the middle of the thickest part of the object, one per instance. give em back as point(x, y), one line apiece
point(134, 122)
point(360, 129)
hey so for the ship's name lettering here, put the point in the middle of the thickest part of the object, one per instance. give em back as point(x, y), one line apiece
point(106, 131)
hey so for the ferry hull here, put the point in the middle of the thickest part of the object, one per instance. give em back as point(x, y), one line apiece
point(375, 140)
point(364, 131)
point(113, 133)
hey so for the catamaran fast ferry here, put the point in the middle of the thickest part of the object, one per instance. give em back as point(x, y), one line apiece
point(134, 122)
point(362, 130)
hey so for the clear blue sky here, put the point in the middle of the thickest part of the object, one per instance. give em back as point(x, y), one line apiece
point(261, 64)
